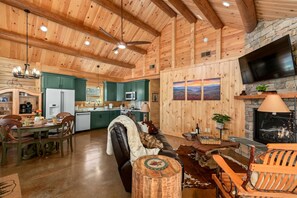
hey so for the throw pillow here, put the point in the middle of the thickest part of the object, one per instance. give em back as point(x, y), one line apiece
point(150, 141)
point(151, 127)
point(143, 126)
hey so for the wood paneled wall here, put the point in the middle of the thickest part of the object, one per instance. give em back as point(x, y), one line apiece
point(178, 117)
point(155, 106)
point(181, 45)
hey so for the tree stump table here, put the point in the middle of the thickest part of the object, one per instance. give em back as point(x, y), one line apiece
point(156, 176)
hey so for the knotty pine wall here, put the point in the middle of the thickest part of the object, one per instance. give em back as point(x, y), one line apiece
point(178, 117)
point(154, 106)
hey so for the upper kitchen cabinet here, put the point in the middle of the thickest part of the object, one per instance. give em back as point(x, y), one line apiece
point(57, 81)
point(120, 92)
point(110, 91)
point(142, 90)
point(80, 89)
point(130, 86)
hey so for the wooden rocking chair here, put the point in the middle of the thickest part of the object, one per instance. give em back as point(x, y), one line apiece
point(276, 176)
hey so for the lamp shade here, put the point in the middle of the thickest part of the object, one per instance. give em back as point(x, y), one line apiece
point(274, 104)
point(145, 108)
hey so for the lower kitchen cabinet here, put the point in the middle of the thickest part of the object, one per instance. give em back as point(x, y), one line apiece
point(138, 115)
point(101, 119)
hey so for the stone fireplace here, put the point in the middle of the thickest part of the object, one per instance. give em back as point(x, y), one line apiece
point(267, 128)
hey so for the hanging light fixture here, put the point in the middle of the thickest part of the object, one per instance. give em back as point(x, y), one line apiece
point(17, 71)
point(98, 87)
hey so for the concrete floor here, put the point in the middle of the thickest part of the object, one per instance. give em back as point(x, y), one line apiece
point(87, 172)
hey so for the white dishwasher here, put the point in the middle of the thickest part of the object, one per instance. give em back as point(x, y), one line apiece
point(82, 121)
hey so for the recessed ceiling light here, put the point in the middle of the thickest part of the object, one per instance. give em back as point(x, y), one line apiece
point(205, 39)
point(226, 4)
point(199, 17)
point(87, 43)
point(43, 28)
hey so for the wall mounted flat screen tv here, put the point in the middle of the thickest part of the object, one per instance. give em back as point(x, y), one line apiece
point(272, 61)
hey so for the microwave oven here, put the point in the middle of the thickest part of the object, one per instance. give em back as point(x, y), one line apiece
point(130, 95)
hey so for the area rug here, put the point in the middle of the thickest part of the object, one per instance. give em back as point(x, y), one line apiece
point(10, 186)
point(197, 176)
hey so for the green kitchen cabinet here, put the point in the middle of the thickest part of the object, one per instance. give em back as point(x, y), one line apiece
point(113, 114)
point(80, 89)
point(99, 119)
point(142, 90)
point(57, 81)
point(120, 92)
point(138, 115)
point(130, 86)
point(110, 91)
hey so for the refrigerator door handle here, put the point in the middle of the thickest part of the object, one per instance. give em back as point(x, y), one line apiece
point(62, 101)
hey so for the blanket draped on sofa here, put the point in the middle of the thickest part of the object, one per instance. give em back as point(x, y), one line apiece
point(136, 148)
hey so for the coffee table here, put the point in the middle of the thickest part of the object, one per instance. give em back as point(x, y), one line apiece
point(204, 151)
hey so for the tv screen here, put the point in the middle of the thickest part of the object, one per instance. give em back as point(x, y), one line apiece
point(274, 60)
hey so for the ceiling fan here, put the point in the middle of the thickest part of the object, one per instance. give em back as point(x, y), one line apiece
point(122, 44)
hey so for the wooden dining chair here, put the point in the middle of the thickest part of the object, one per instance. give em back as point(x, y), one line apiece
point(274, 176)
point(13, 117)
point(19, 141)
point(64, 133)
point(62, 115)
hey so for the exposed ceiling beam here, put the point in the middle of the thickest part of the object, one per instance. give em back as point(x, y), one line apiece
point(62, 20)
point(184, 10)
point(163, 6)
point(107, 4)
point(39, 43)
point(248, 14)
point(207, 10)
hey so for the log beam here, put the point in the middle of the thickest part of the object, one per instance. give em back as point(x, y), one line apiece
point(207, 10)
point(107, 4)
point(184, 10)
point(39, 43)
point(165, 8)
point(62, 20)
point(248, 14)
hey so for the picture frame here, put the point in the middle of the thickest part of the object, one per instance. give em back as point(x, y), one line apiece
point(155, 97)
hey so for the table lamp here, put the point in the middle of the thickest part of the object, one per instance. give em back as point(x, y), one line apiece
point(274, 104)
point(145, 109)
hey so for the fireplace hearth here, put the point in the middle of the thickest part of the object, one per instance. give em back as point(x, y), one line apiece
point(269, 128)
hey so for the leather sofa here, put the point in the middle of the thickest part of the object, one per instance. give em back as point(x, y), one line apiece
point(121, 150)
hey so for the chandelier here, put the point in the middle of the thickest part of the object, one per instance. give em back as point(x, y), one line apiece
point(17, 71)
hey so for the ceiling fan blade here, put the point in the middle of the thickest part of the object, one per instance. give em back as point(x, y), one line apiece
point(138, 42)
point(115, 49)
point(107, 34)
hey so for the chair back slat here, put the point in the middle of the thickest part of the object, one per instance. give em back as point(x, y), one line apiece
point(5, 128)
point(68, 124)
point(62, 115)
point(13, 117)
point(278, 172)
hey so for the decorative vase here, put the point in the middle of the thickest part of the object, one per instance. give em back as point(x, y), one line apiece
point(220, 125)
point(259, 92)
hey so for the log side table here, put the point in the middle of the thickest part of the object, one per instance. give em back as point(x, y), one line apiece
point(156, 176)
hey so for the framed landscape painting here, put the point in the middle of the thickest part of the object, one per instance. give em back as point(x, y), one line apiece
point(194, 89)
point(179, 90)
point(212, 89)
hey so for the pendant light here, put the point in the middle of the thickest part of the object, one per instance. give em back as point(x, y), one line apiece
point(17, 71)
point(98, 87)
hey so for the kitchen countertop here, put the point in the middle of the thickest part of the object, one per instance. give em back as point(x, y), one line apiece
point(103, 109)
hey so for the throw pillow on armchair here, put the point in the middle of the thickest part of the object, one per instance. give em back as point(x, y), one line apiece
point(152, 129)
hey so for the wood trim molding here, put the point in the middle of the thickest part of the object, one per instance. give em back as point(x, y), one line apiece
point(107, 4)
point(165, 8)
point(173, 42)
point(184, 10)
point(248, 14)
point(19, 38)
point(207, 10)
point(62, 20)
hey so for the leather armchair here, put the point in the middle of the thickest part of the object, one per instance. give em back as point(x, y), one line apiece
point(122, 153)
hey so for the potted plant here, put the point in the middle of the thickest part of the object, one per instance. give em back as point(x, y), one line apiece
point(261, 88)
point(220, 119)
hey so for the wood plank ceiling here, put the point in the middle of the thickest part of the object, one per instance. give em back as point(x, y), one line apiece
point(71, 22)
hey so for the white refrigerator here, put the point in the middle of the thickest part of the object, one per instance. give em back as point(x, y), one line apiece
point(59, 100)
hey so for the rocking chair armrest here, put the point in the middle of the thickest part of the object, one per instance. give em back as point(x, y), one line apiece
point(226, 168)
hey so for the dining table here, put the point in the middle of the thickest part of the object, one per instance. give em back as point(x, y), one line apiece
point(39, 131)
